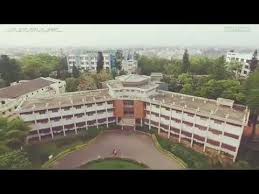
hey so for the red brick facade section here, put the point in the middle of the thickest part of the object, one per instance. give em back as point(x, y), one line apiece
point(139, 109)
point(118, 108)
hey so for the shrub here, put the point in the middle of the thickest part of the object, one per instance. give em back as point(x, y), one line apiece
point(14, 160)
point(192, 158)
point(14, 143)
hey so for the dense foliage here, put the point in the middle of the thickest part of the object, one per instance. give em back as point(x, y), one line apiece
point(12, 134)
point(14, 160)
point(88, 81)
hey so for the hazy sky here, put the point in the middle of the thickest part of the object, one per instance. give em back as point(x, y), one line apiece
point(129, 35)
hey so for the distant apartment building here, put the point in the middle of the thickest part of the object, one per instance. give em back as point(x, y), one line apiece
point(133, 101)
point(12, 96)
point(243, 58)
point(88, 61)
point(130, 66)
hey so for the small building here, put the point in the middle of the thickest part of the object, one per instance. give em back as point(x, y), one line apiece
point(155, 76)
point(18, 92)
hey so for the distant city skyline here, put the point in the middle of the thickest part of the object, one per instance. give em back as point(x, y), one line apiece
point(108, 36)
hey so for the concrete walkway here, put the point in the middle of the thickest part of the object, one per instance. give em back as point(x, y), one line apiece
point(133, 145)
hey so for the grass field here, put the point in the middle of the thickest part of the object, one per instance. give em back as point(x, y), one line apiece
point(113, 164)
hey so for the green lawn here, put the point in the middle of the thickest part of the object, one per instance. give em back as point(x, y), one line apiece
point(38, 153)
point(113, 164)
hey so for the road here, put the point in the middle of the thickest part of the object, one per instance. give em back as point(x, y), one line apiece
point(133, 145)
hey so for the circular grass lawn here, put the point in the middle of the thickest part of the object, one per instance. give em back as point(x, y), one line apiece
point(113, 164)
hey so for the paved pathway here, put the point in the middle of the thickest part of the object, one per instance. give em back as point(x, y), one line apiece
point(134, 145)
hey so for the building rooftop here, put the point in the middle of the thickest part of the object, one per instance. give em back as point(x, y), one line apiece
point(67, 99)
point(203, 105)
point(132, 78)
point(156, 74)
point(22, 88)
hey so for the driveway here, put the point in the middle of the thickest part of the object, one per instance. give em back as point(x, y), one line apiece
point(133, 145)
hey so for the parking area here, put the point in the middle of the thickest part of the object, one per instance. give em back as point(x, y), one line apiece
point(133, 145)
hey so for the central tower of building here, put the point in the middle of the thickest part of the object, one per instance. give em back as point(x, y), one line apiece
point(130, 92)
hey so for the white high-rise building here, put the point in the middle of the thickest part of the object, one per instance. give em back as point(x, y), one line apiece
point(88, 61)
point(243, 58)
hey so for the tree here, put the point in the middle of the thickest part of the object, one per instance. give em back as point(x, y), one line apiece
point(10, 70)
point(38, 65)
point(100, 62)
point(254, 62)
point(151, 64)
point(173, 67)
point(62, 68)
point(235, 67)
point(218, 70)
point(252, 97)
point(72, 84)
point(86, 82)
point(201, 65)
point(75, 72)
point(186, 62)
point(118, 59)
point(14, 160)
point(102, 76)
point(2, 83)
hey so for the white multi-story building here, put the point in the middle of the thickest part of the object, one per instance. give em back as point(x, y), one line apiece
point(129, 66)
point(88, 61)
point(135, 100)
point(12, 96)
point(243, 58)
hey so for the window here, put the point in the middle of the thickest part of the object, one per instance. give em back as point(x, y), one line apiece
point(89, 105)
point(99, 104)
point(217, 121)
point(54, 110)
point(201, 127)
point(246, 66)
point(228, 147)
point(212, 142)
point(2, 102)
point(231, 135)
point(55, 119)
point(214, 131)
point(101, 111)
point(41, 112)
point(79, 115)
point(245, 72)
point(128, 102)
point(78, 106)
point(242, 60)
point(66, 108)
point(90, 113)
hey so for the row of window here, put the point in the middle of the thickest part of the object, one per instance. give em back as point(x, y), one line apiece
point(53, 110)
point(202, 139)
point(69, 126)
point(214, 131)
point(216, 121)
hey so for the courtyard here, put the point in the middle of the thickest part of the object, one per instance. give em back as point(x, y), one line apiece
point(132, 145)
